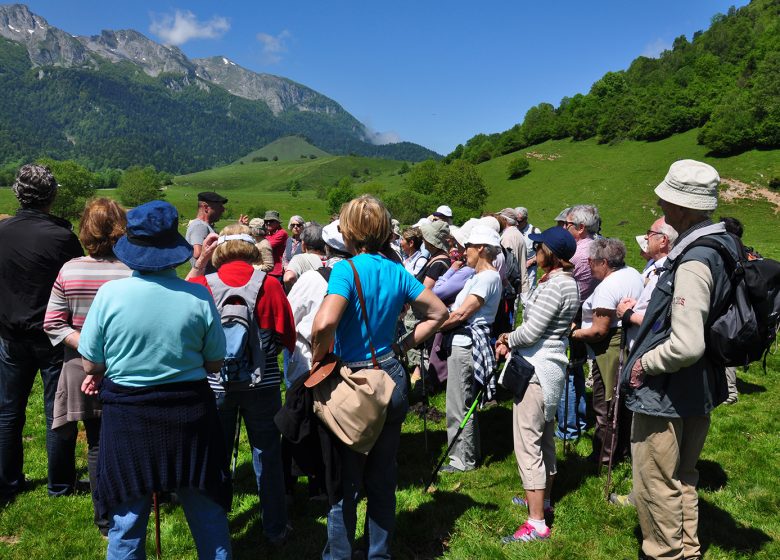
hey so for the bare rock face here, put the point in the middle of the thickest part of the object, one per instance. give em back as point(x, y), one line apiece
point(46, 45)
point(280, 94)
point(134, 47)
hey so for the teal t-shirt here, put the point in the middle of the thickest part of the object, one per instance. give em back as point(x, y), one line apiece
point(387, 286)
point(151, 329)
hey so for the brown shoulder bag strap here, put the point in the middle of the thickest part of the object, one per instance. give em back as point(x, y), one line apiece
point(363, 312)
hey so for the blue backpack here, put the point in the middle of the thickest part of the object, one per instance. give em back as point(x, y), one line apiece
point(244, 356)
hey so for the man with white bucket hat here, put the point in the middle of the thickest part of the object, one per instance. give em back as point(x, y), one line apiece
point(672, 385)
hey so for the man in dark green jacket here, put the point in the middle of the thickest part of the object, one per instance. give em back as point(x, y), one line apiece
point(671, 382)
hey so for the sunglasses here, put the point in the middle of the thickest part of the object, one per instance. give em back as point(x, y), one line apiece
point(296, 225)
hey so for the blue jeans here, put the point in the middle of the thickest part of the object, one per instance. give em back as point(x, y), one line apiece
point(19, 362)
point(257, 408)
point(575, 415)
point(378, 473)
point(207, 520)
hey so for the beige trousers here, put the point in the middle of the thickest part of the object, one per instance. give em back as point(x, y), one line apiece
point(664, 454)
point(534, 439)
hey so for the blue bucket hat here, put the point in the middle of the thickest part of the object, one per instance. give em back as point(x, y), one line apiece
point(558, 240)
point(153, 242)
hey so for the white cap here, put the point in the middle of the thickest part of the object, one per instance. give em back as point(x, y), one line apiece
point(421, 221)
point(483, 235)
point(444, 210)
point(332, 237)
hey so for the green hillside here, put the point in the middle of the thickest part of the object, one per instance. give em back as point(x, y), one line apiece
point(285, 149)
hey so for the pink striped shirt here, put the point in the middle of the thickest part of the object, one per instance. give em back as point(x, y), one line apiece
point(74, 289)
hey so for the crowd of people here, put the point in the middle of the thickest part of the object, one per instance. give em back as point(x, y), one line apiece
point(148, 363)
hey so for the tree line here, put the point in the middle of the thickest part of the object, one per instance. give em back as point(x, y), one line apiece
point(725, 81)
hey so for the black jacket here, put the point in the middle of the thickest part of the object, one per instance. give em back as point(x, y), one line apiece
point(33, 247)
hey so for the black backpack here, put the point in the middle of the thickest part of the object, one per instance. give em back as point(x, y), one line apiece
point(744, 329)
point(513, 275)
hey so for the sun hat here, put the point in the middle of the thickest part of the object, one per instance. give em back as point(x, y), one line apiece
point(561, 217)
point(483, 235)
point(421, 221)
point(642, 242)
point(459, 235)
point(490, 222)
point(558, 240)
point(436, 233)
point(34, 185)
point(396, 227)
point(690, 184)
point(333, 238)
point(210, 196)
point(153, 242)
point(272, 215)
point(444, 210)
point(295, 220)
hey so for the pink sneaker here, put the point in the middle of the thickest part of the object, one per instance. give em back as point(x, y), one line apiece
point(526, 533)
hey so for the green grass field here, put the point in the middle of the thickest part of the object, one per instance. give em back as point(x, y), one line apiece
point(287, 148)
point(466, 515)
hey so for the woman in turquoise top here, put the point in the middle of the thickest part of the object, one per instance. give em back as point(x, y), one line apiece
point(387, 286)
point(146, 344)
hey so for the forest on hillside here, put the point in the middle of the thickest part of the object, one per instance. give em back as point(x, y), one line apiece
point(725, 81)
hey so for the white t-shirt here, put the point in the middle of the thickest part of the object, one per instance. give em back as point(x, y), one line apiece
point(486, 285)
point(623, 283)
point(303, 262)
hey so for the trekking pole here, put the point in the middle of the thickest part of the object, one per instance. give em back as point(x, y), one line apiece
point(615, 413)
point(423, 374)
point(236, 441)
point(156, 505)
point(566, 409)
point(454, 439)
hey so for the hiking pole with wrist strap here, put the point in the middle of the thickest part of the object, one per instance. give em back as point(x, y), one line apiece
point(615, 412)
point(454, 439)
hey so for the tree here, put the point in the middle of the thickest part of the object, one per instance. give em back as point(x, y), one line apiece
point(295, 188)
point(139, 185)
point(518, 167)
point(423, 177)
point(460, 184)
point(342, 193)
point(77, 184)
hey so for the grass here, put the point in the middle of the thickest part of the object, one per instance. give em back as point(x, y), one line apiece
point(287, 148)
point(465, 514)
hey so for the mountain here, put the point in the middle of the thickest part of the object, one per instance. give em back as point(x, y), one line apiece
point(119, 98)
point(725, 81)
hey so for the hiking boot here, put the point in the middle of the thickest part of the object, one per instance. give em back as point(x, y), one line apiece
point(621, 500)
point(522, 502)
point(526, 533)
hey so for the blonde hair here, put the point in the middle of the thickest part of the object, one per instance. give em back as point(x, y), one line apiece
point(102, 224)
point(235, 249)
point(365, 224)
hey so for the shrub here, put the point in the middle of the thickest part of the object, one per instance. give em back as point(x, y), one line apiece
point(517, 168)
point(774, 183)
point(139, 185)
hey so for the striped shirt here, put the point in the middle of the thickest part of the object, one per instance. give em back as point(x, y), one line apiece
point(73, 292)
point(549, 311)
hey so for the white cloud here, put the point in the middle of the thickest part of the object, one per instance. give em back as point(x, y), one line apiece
point(381, 138)
point(274, 46)
point(655, 48)
point(183, 26)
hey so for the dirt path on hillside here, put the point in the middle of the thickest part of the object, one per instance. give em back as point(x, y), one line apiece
point(737, 189)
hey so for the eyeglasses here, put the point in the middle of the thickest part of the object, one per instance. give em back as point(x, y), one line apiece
point(567, 224)
point(590, 260)
point(296, 225)
point(649, 233)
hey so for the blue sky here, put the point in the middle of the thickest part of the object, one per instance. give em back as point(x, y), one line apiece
point(426, 71)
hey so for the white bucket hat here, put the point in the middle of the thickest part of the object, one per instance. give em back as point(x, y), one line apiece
point(690, 184)
point(483, 235)
point(332, 237)
point(490, 222)
point(459, 235)
point(641, 240)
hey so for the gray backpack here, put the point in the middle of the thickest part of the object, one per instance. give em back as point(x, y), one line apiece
point(244, 354)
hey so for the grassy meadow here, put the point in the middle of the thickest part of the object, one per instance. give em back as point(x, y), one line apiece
point(465, 516)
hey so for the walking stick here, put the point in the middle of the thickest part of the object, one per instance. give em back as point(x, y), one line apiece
point(156, 505)
point(235, 445)
point(457, 435)
point(566, 410)
point(423, 374)
point(615, 413)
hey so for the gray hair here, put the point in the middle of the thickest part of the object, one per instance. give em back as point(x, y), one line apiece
point(670, 233)
point(35, 186)
point(587, 215)
point(522, 213)
point(312, 237)
point(491, 252)
point(610, 248)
